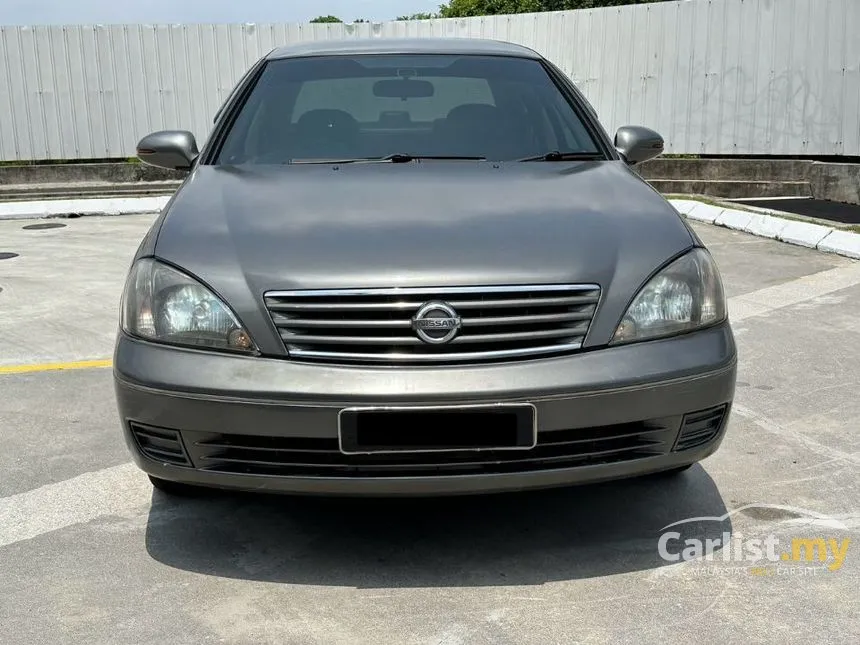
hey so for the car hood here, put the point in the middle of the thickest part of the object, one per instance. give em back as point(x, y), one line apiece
point(244, 231)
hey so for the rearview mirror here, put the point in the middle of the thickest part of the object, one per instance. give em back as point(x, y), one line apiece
point(403, 89)
point(637, 144)
point(171, 149)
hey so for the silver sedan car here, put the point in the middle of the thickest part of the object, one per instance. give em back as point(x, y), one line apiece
point(417, 267)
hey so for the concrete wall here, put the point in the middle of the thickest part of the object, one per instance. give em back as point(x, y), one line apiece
point(839, 182)
point(764, 77)
point(72, 173)
point(836, 182)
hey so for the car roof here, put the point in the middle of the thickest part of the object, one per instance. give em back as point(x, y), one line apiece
point(466, 46)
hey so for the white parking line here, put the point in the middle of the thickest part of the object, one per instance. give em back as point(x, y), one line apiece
point(794, 292)
point(792, 435)
point(80, 499)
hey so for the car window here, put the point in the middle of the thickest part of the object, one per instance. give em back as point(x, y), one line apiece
point(369, 106)
point(572, 132)
point(355, 96)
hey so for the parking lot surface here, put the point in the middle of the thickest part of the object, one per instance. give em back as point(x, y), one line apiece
point(90, 554)
point(820, 208)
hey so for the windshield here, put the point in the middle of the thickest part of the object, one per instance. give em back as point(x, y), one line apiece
point(376, 106)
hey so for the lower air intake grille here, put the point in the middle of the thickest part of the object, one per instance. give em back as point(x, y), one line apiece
point(160, 444)
point(700, 427)
point(307, 457)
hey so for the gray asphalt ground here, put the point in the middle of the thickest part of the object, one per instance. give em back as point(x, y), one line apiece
point(89, 554)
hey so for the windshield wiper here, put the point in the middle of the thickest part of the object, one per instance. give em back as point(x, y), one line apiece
point(326, 162)
point(393, 158)
point(406, 158)
point(555, 155)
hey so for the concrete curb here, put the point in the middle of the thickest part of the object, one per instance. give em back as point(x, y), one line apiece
point(814, 236)
point(80, 207)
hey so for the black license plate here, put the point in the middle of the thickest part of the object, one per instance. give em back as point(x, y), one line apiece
point(437, 429)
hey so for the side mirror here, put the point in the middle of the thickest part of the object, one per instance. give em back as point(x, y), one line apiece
point(171, 149)
point(637, 144)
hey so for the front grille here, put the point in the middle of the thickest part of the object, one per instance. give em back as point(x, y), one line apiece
point(698, 428)
point(160, 444)
point(308, 457)
point(376, 325)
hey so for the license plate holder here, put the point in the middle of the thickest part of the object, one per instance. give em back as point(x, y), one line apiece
point(388, 430)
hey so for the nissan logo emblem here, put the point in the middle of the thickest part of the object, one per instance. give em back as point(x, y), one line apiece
point(436, 323)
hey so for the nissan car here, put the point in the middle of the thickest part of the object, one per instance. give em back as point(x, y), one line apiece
point(416, 267)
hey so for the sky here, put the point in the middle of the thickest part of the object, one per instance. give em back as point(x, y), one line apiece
point(75, 12)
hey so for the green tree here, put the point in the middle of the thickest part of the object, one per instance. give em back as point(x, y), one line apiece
point(326, 19)
point(466, 8)
point(420, 16)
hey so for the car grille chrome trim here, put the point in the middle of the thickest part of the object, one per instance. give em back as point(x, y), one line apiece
point(414, 304)
point(374, 326)
point(396, 291)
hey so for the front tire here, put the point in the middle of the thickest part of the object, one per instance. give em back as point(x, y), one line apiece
point(175, 489)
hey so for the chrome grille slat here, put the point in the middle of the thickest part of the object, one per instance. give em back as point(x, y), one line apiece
point(308, 339)
point(401, 358)
point(341, 324)
point(344, 306)
point(509, 337)
point(526, 320)
point(524, 302)
point(430, 291)
point(375, 325)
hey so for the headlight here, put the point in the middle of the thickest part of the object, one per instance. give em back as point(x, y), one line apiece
point(164, 305)
point(686, 295)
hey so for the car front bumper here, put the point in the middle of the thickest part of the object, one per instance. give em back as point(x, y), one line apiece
point(266, 424)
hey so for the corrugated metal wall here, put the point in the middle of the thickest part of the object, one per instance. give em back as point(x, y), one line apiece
point(713, 76)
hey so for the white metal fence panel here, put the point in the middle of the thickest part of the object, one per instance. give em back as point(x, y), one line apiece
point(756, 77)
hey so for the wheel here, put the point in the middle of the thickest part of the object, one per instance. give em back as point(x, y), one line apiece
point(176, 489)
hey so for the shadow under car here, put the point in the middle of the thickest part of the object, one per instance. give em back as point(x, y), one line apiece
point(504, 539)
